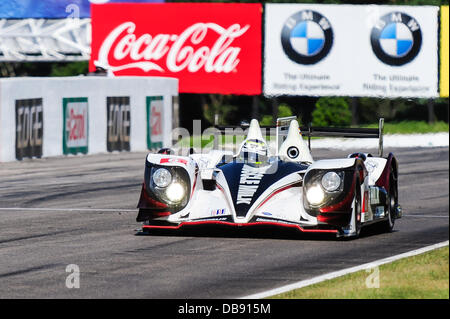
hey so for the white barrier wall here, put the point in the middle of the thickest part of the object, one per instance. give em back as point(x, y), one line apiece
point(42, 117)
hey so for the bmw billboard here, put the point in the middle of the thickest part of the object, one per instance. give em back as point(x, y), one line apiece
point(351, 50)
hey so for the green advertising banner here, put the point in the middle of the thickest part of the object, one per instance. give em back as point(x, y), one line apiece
point(155, 123)
point(75, 125)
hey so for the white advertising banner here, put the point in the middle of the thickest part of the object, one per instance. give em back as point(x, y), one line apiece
point(351, 50)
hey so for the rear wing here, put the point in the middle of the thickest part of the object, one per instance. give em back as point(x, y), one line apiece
point(346, 132)
point(282, 128)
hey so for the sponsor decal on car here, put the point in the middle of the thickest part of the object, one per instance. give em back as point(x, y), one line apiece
point(173, 161)
point(216, 212)
point(248, 184)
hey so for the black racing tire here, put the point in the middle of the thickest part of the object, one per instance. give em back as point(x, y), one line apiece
point(388, 224)
point(357, 209)
point(356, 212)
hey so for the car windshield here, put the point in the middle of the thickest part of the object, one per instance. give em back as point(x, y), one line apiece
point(254, 153)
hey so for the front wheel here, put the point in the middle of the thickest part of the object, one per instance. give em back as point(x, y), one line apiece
point(353, 229)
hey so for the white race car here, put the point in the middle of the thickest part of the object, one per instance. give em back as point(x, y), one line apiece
point(286, 189)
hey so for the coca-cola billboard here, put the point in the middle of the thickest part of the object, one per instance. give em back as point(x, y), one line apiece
point(209, 47)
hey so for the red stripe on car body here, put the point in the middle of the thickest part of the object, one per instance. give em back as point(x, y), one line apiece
point(215, 222)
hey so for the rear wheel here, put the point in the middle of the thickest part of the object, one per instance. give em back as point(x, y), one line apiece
point(357, 210)
point(388, 224)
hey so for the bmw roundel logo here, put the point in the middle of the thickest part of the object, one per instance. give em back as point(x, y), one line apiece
point(307, 37)
point(396, 38)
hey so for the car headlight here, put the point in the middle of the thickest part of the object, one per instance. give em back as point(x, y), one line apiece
point(331, 181)
point(175, 192)
point(162, 177)
point(315, 195)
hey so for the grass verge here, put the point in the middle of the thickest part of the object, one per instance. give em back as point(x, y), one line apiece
point(411, 127)
point(425, 276)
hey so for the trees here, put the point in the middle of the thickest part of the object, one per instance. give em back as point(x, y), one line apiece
point(231, 109)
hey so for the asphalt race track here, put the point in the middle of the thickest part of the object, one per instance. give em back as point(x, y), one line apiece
point(80, 210)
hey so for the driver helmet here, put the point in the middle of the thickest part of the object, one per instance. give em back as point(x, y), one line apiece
point(254, 152)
